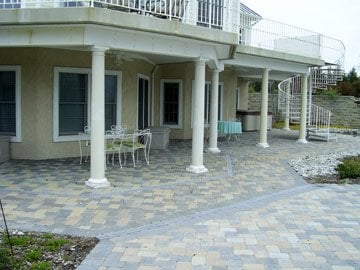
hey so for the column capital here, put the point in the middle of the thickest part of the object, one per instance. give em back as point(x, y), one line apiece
point(201, 60)
point(99, 49)
point(218, 70)
point(215, 64)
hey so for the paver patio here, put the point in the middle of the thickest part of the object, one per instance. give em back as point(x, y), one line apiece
point(251, 211)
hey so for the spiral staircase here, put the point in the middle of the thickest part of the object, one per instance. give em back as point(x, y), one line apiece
point(318, 118)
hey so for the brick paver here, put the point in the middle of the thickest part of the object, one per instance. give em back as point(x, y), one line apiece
point(251, 211)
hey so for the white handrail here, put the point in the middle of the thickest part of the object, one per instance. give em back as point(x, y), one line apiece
point(319, 118)
point(282, 37)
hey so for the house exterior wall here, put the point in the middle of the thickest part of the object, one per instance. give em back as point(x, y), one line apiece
point(130, 71)
point(229, 79)
point(37, 84)
point(37, 91)
point(185, 72)
point(37, 99)
point(177, 72)
point(27, 60)
point(243, 86)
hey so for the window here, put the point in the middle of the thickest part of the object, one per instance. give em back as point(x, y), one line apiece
point(207, 103)
point(10, 102)
point(143, 108)
point(110, 100)
point(171, 103)
point(72, 101)
point(210, 13)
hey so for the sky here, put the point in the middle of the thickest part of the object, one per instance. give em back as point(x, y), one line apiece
point(333, 18)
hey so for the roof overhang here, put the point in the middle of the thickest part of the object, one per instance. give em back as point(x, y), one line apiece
point(82, 28)
point(249, 62)
point(114, 18)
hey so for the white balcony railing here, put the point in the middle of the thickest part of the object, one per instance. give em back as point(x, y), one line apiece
point(268, 34)
point(224, 15)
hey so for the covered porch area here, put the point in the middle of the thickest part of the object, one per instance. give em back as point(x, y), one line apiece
point(49, 195)
point(239, 161)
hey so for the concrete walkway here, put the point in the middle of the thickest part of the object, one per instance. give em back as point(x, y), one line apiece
point(251, 211)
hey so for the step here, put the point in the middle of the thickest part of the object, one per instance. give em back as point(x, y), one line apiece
point(320, 134)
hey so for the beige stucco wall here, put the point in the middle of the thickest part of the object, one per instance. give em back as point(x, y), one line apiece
point(243, 85)
point(229, 78)
point(185, 72)
point(37, 80)
point(37, 70)
point(130, 72)
point(37, 75)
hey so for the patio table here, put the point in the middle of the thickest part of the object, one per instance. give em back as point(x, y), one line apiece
point(84, 141)
point(230, 128)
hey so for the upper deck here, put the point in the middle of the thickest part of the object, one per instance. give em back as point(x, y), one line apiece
point(226, 21)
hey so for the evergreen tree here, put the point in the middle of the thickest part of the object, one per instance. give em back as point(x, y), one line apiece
point(350, 85)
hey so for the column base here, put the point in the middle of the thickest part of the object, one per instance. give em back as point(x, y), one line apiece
point(214, 150)
point(97, 183)
point(263, 145)
point(196, 169)
point(302, 141)
point(287, 129)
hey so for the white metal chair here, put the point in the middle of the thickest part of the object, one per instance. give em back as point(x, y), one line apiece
point(113, 145)
point(119, 127)
point(132, 143)
point(84, 140)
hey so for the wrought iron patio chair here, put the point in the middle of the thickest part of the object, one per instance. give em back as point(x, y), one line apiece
point(113, 145)
point(84, 141)
point(132, 143)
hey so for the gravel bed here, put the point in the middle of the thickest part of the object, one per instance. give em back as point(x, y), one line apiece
point(311, 166)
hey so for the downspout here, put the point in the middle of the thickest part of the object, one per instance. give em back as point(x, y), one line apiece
point(153, 94)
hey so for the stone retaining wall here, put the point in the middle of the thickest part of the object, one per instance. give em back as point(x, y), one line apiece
point(345, 111)
point(255, 104)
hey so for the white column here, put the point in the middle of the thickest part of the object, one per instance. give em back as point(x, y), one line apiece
point(310, 84)
point(213, 136)
point(287, 105)
point(264, 109)
point(304, 85)
point(97, 166)
point(198, 124)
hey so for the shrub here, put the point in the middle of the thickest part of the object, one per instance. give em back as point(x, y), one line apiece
point(330, 92)
point(41, 266)
point(21, 241)
point(33, 255)
point(349, 168)
point(54, 244)
point(5, 261)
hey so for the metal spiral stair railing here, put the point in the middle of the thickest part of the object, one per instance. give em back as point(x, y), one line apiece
point(318, 118)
